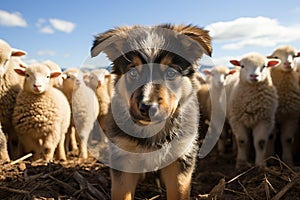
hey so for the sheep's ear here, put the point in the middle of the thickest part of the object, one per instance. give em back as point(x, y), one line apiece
point(273, 62)
point(235, 62)
point(206, 71)
point(110, 42)
point(55, 74)
point(17, 52)
point(19, 71)
point(232, 71)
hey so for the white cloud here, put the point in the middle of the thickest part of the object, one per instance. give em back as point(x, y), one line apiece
point(62, 25)
point(46, 52)
point(51, 25)
point(12, 19)
point(258, 31)
point(47, 30)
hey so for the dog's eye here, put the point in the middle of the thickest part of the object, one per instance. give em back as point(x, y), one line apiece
point(171, 74)
point(133, 73)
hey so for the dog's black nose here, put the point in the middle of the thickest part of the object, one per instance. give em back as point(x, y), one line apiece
point(148, 109)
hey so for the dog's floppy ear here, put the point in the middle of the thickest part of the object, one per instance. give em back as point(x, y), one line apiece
point(110, 42)
point(200, 35)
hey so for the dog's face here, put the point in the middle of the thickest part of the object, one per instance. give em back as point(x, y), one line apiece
point(154, 66)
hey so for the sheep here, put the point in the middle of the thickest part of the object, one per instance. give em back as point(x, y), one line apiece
point(41, 116)
point(100, 81)
point(57, 81)
point(85, 107)
point(10, 85)
point(252, 104)
point(286, 81)
point(3, 146)
point(216, 88)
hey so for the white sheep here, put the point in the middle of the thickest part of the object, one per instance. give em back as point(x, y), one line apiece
point(41, 115)
point(100, 80)
point(286, 80)
point(85, 107)
point(252, 105)
point(216, 87)
point(10, 85)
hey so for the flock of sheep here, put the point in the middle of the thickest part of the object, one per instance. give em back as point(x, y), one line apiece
point(262, 103)
point(41, 105)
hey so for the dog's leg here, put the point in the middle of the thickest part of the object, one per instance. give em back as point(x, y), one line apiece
point(177, 182)
point(123, 185)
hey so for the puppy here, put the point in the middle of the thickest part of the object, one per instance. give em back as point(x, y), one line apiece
point(153, 118)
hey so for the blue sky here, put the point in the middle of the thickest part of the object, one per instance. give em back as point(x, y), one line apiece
point(63, 30)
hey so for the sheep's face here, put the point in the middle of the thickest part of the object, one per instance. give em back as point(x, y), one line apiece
point(254, 67)
point(37, 78)
point(287, 55)
point(217, 75)
point(69, 80)
point(97, 78)
point(5, 54)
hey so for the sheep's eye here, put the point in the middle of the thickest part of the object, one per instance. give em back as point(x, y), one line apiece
point(262, 68)
point(242, 66)
point(68, 76)
point(276, 57)
point(5, 62)
point(27, 75)
point(48, 76)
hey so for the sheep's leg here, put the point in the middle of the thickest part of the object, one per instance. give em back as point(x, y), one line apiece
point(70, 143)
point(48, 146)
point(271, 143)
point(3, 147)
point(177, 181)
point(60, 151)
point(288, 131)
point(82, 138)
point(242, 140)
point(123, 185)
point(83, 148)
point(261, 134)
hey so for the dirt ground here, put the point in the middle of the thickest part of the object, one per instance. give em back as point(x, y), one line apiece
point(215, 178)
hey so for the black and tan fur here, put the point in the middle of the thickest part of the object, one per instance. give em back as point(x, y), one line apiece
point(152, 54)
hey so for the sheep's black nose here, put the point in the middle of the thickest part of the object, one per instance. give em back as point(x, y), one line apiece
point(148, 109)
